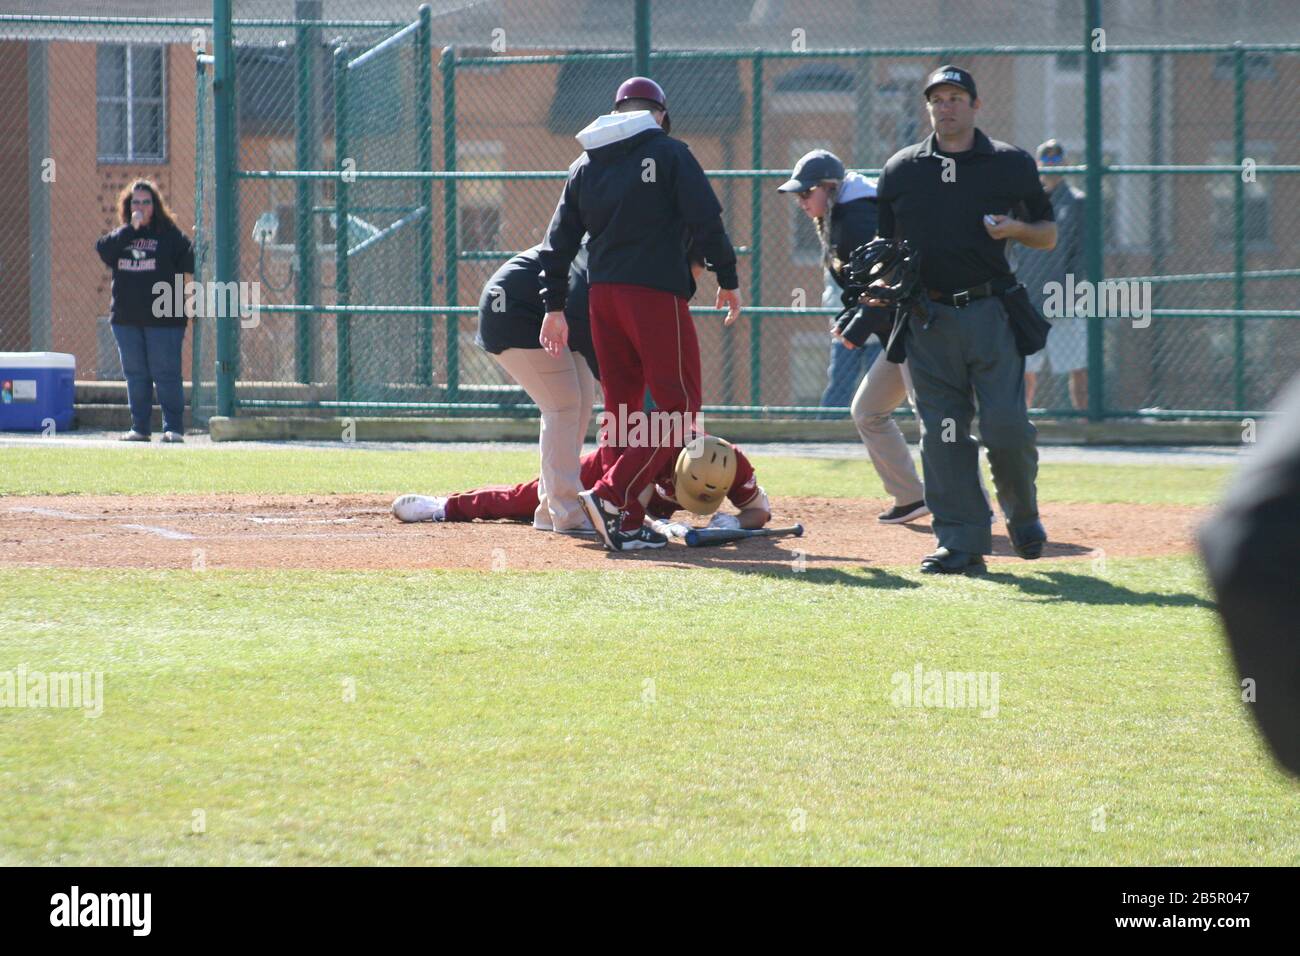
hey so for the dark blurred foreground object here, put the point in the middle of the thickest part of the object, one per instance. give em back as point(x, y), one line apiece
point(1251, 547)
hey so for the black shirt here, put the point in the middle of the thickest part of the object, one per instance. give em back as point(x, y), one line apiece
point(512, 317)
point(140, 258)
point(945, 220)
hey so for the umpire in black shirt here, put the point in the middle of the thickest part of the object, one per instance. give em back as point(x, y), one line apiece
point(958, 197)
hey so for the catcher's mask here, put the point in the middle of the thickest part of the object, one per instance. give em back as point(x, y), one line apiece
point(895, 261)
point(705, 470)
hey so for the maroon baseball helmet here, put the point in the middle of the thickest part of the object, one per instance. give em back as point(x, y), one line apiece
point(643, 88)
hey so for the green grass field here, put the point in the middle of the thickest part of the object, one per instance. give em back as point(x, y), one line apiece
point(144, 470)
point(660, 717)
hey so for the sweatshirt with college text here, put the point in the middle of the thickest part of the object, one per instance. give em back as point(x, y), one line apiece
point(140, 258)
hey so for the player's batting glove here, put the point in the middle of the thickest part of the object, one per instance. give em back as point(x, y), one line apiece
point(671, 529)
point(725, 521)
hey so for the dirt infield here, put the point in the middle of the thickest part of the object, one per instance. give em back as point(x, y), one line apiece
point(358, 532)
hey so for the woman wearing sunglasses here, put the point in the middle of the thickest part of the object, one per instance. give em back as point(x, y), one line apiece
point(842, 206)
point(147, 248)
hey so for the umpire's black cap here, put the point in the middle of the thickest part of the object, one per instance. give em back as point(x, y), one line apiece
point(953, 76)
point(811, 169)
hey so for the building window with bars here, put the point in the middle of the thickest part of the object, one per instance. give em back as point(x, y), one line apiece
point(130, 91)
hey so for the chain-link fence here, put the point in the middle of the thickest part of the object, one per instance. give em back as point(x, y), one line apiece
point(367, 133)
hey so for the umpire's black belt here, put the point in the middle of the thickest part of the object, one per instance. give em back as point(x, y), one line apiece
point(964, 296)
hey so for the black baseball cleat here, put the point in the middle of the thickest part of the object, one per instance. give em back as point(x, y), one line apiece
point(640, 539)
point(1028, 540)
point(900, 513)
point(605, 518)
point(944, 561)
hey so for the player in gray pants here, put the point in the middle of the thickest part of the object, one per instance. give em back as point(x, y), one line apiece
point(961, 357)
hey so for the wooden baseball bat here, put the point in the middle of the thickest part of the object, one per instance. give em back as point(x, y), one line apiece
point(704, 537)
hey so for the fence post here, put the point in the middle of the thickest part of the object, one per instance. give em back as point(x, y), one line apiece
point(1157, 223)
point(424, 87)
point(1239, 226)
point(756, 230)
point(451, 241)
point(200, 227)
point(305, 157)
point(226, 221)
point(40, 313)
point(306, 107)
point(342, 292)
point(1093, 208)
point(641, 46)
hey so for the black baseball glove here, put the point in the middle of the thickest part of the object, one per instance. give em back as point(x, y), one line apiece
point(866, 321)
point(856, 321)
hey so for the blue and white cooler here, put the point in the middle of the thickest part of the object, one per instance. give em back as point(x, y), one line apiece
point(35, 388)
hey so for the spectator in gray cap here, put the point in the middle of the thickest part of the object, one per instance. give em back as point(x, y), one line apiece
point(825, 196)
point(1067, 346)
point(842, 206)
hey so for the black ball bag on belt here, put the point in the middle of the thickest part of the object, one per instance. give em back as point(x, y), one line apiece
point(1027, 323)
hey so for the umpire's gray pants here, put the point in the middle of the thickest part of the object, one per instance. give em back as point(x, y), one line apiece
point(958, 358)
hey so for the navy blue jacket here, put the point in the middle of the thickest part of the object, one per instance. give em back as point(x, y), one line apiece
point(642, 197)
point(852, 224)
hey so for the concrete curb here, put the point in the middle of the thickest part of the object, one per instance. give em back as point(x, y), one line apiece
point(1050, 431)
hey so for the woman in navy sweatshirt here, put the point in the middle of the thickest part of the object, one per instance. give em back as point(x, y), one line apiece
point(148, 248)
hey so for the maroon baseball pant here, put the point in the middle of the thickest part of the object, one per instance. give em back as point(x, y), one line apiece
point(512, 502)
point(644, 338)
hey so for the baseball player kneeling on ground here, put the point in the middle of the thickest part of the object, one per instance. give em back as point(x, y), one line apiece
point(707, 470)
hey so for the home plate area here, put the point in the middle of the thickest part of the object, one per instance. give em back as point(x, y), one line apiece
point(202, 532)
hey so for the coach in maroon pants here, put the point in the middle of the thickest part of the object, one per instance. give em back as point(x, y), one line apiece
point(642, 197)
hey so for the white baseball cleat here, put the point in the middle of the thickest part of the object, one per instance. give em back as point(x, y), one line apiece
point(411, 508)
